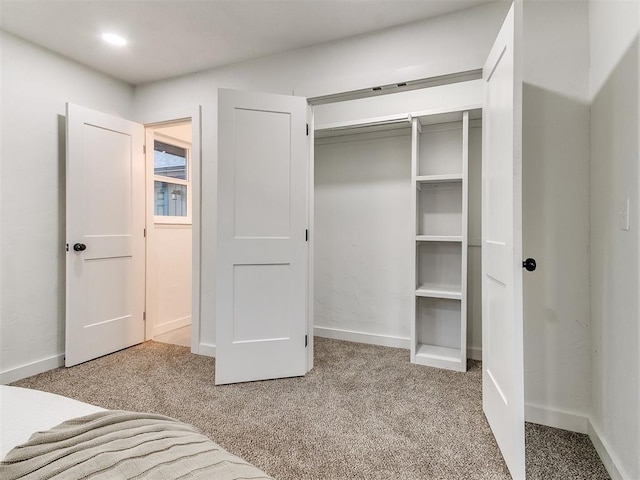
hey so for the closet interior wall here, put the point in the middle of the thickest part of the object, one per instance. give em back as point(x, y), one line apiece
point(362, 219)
point(363, 287)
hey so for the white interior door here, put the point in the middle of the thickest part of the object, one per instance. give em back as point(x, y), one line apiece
point(502, 340)
point(105, 234)
point(262, 255)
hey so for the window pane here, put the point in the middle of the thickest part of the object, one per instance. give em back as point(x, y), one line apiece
point(169, 160)
point(170, 200)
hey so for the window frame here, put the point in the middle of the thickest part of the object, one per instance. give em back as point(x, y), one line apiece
point(172, 219)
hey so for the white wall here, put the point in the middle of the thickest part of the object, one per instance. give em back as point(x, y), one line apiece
point(179, 131)
point(362, 224)
point(36, 84)
point(447, 44)
point(615, 288)
point(172, 278)
point(556, 213)
point(169, 262)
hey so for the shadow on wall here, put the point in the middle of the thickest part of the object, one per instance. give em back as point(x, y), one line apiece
point(615, 261)
point(556, 234)
point(62, 226)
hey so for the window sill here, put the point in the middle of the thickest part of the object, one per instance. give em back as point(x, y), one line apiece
point(186, 221)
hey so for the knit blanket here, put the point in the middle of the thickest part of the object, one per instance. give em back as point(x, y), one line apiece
point(124, 445)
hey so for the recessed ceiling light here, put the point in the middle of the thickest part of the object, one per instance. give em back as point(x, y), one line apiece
point(114, 39)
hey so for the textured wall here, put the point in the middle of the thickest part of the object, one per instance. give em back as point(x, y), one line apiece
point(556, 212)
point(615, 257)
point(362, 224)
point(36, 85)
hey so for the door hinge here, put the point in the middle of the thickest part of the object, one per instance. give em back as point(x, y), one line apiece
point(306, 235)
point(306, 341)
point(307, 129)
point(144, 316)
point(144, 232)
point(144, 149)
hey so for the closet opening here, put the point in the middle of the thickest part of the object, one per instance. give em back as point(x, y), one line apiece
point(397, 222)
point(169, 192)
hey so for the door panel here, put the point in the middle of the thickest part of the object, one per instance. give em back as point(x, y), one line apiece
point(105, 212)
point(109, 178)
point(262, 256)
point(502, 337)
point(262, 170)
point(261, 291)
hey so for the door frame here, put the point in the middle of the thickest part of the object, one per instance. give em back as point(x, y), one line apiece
point(151, 255)
point(310, 221)
point(164, 118)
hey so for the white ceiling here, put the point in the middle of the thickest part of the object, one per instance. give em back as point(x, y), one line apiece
point(170, 38)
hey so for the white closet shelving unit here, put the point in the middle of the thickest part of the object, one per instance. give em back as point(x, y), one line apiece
point(440, 151)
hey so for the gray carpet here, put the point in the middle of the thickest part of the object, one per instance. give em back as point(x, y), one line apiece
point(364, 412)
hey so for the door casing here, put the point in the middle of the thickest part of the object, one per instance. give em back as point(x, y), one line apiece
point(150, 284)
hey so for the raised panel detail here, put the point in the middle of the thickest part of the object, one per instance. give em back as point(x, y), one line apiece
point(109, 290)
point(261, 302)
point(498, 330)
point(262, 188)
point(107, 181)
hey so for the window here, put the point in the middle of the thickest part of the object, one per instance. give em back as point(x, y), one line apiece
point(172, 183)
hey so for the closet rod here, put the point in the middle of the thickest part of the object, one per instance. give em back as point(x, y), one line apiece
point(402, 86)
point(353, 126)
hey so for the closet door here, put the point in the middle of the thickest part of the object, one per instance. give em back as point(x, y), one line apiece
point(105, 234)
point(262, 255)
point(502, 338)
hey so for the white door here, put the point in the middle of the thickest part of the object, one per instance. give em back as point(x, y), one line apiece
point(502, 344)
point(105, 234)
point(262, 251)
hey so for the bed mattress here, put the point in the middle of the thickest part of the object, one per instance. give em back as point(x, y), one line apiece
point(24, 411)
point(43, 435)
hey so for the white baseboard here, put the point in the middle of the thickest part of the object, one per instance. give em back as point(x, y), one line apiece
point(30, 369)
point(207, 350)
point(172, 325)
point(361, 337)
point(565, 420)
point(474, 353)
point(609, 459)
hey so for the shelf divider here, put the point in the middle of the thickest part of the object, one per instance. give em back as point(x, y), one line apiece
point(439, 291)
point(451, 177)
point(435, 351)
point(439, 238)
point(440, 357)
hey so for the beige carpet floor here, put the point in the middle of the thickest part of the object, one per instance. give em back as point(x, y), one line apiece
point(364, 412)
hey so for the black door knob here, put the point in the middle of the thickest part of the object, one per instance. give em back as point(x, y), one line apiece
point(529, 264)
point(79, 247)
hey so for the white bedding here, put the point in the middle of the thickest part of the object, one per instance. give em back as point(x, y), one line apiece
point(24, 411)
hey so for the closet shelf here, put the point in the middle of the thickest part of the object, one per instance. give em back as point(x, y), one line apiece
point(441, 353)
point(439, 291)
point(439, 238)
point(440, 357)
point(452, 177)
